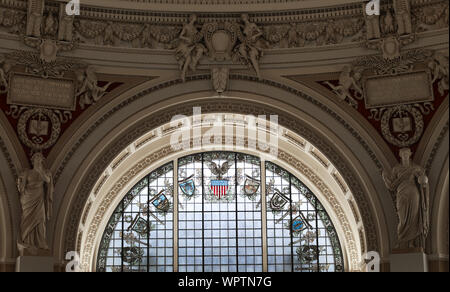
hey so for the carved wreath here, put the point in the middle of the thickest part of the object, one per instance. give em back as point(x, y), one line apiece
point(386, 128)
point(22, 129)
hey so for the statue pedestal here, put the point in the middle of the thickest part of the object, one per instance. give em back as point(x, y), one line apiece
point(35, 264)
point(411, 260)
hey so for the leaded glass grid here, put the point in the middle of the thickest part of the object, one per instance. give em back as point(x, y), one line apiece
point(139, 235)
point(301, 236)
point(220, 226)
point(220, 233)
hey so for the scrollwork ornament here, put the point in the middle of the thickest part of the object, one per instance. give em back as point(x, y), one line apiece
point(402, 126)
point(15, 111)
point(375, 113)
point(39, 129)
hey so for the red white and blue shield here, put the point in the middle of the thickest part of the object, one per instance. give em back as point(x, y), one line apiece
point(219, 187)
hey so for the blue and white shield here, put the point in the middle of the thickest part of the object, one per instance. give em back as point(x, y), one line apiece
point(161, 202)
point(188, 187)
point(298, 224)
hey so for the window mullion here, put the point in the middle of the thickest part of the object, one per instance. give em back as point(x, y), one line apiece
point(237, 214)
point(203, 213)
point(264, 215)
point(290, 224)
point(123, 234)
point(175, 215)
point(148, 223)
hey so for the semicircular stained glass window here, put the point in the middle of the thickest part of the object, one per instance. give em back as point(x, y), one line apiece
point(218, 221)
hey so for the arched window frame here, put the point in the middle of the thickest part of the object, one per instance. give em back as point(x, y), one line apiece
point(338, 256)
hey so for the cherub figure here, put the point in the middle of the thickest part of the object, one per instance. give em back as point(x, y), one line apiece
point(89, 92)
point(439, 69)
point(5, 69)
point(346, 83)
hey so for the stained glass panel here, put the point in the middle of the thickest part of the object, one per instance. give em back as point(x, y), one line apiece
point(220, 226)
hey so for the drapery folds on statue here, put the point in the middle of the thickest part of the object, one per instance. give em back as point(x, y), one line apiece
point(410, 183)
point(36, 198)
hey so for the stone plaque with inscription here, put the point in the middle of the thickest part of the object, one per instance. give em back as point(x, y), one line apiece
point(54, 93)
point(406, 88)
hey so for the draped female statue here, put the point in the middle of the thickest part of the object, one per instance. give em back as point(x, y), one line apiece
point(410, 183)
point(36, 198)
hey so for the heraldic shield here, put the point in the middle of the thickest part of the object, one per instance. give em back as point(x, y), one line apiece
point(161, 202)
point(140, 226)
point(251, 186)
point(187, 187)
point(278, 201)
point(219, 187)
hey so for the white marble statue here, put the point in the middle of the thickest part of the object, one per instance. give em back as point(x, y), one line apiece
point(410, 183)
point(190, 50)
point(250, 50)
point(36, 197)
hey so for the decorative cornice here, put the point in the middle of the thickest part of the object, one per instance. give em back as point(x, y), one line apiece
point(287, 28)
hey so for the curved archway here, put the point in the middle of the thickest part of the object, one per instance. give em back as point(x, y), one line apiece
point(12, 160)
point(440, 223)
point(297, 119)
point(441, 226)
point(5, 225)
point(153, 150)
